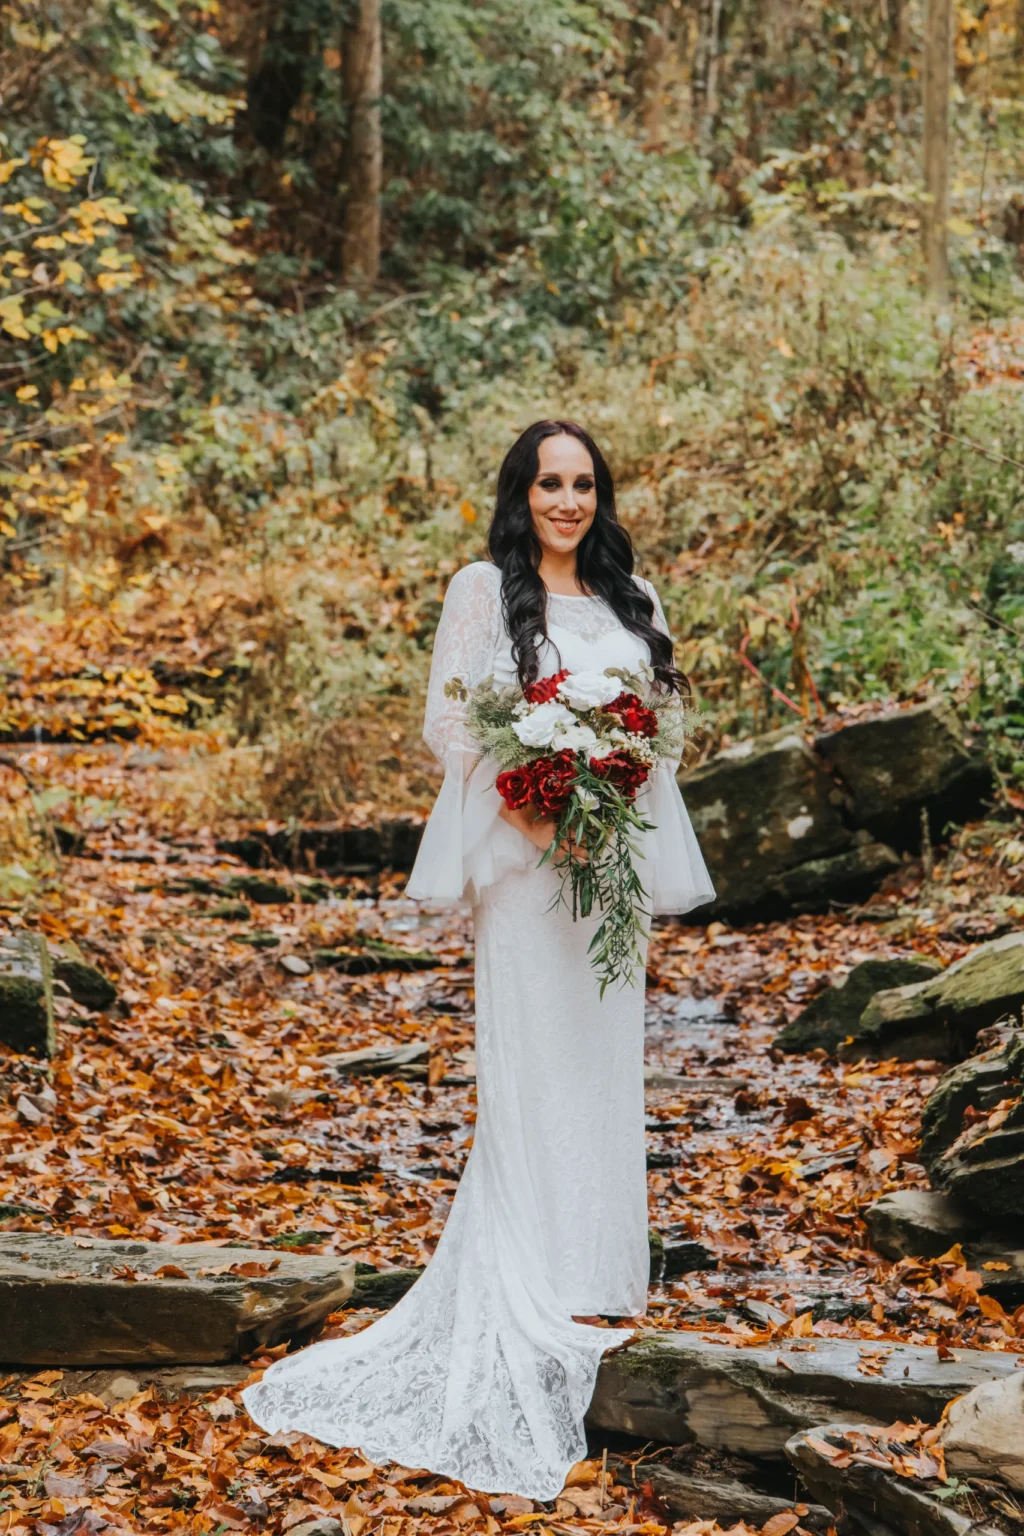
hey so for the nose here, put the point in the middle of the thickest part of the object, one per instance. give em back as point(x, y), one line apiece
point(569, 498)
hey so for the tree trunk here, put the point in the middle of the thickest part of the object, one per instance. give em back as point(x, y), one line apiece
point(652, 26)
point(893, 20)
point(704, 85)
point(938, 69)
point(363, 161)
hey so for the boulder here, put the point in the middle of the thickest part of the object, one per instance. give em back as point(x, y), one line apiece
point(869, 1496)
point(983, 1433)
point(896, 762)
point(26, 994)
point(919, 1224)
point(846, 876)
point(88, 985)
point(977, 1084)
point(832, 1016)
point(680, 1388)
point(760, 808)
point(89, 1301)
point(939, 1020)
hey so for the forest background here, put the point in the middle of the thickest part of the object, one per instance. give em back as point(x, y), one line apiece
point(268, 327)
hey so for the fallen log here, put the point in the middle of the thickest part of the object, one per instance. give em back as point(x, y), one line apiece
point(679, 1388)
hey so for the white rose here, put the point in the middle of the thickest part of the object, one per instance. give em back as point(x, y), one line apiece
point(603, 748)
point(587, 799)
point(589, 690)
point(538, 727)
point(575, 738)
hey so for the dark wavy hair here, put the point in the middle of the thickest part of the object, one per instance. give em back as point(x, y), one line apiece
point(604, 558)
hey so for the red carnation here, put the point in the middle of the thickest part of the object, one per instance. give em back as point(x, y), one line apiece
point(635, 717)
point(545, 689)
point(621, 770)
point(515, 786)
point(553, 780)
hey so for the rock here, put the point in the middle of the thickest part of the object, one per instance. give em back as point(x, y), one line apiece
point(375, 1059)
point(295, 965)
point(26, 995)
point(924, 1224)
point(67, 1301)
point(919, 1224)
point(260, 938)
point(323, 1525)
point(332, 847)
point(760, 808)
point(847, 876)
point(835, 1014)
point(973, 1124)
point(902, 759)
point(87, 983)
point(655, 1078)
point(686, 1257)
point(229, 911)
point(979, 1083)
point(362, 956)
point(678, 1388)
point(983, 1433)
point(871, 1498)
point(258, 888)
point(938, 1020)
point(383, 1288)
point(70, 840)
point(724, 1499)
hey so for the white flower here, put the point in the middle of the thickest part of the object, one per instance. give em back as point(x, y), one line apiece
point(603, 748)
point(574, 738)
point(538, 727)
point(589, 690)
point(587, 799)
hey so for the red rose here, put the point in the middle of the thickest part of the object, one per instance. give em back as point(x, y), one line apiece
point(553, 780)
point(544, 690)
point(515, 786)
point(620, 769)
point(635, 718)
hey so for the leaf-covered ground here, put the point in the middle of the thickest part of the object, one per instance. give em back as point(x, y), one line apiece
point(208, 1107)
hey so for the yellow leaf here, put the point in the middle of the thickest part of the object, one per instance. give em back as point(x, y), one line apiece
point(6, 528)
point(78, 509)
point(49, 242)
point(959, 227)
point(8, 168)
point(72, 270)
point(27, 392)
point(24, 211)
point(49, 340)
point(468, 511)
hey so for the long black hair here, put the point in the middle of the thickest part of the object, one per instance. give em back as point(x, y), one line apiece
point(604, 558)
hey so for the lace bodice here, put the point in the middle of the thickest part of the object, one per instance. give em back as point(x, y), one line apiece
point(472, 643)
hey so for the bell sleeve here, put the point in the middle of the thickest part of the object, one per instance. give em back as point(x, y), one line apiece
point(466, 846)
point(677, 879)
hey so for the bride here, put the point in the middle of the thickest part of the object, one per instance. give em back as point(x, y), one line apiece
point(484, 1370)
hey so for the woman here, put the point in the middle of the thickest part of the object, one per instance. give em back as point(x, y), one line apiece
point(484, 1370)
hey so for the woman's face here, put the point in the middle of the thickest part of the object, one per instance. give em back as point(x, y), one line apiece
point(563, 496)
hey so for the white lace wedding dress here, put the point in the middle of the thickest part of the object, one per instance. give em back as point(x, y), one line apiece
point(479, 1372)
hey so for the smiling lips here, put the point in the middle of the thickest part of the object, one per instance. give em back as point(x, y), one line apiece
point(565, 525)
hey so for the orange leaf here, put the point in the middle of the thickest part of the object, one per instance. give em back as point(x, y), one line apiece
point(779, 1524)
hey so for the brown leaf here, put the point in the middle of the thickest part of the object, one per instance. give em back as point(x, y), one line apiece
point(779, 1524)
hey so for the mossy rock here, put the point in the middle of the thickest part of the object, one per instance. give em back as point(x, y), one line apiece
point(260, 938)
point(834, 1015)
point(258, 888)
point(382, 1288)
point(26, 995)
point(87, 983)
point(939, 1019)
point(230, 911)
point(361, 956)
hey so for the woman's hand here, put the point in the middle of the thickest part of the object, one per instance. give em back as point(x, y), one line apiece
point(539, 829)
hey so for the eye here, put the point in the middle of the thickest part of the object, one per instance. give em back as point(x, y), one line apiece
point(584, 483)
point(550, 483)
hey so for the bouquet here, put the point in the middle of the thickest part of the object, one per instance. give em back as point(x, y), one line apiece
point(577, 746)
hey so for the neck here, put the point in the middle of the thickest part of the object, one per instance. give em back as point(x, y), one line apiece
point(558, 572)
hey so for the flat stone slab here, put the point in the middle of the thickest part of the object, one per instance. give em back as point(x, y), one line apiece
point(26, 994)
point(682, 1388)
point(92, 1301)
